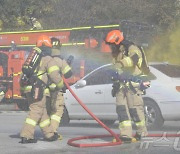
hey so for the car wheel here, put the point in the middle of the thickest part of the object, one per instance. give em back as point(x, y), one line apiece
point(108, 122)
point(65, 118)
point(154, 119)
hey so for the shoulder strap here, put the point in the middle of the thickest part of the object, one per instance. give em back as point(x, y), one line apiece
point(144, 66)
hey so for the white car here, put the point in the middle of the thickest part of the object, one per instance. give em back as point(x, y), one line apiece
point(162, 99)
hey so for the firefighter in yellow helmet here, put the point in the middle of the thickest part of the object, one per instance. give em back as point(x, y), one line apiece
point(2, 93)
point(128, 58)
point(36, 25)
point(38, 69)
point(56, 94)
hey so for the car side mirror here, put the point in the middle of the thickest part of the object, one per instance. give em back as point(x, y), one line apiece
point(80, 84)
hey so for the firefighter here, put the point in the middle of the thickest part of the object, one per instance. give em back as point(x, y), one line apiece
point(1, 94)
point(13, 46)
point(46, 70)
point(36, 25)
point(128, 59)
point(57, 98)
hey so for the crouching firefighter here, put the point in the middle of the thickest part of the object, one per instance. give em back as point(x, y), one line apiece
point(37, 70)
point(56, 94)
point(128, 60)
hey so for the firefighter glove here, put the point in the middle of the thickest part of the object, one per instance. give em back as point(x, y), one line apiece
point(70, 60)
point(144, 85)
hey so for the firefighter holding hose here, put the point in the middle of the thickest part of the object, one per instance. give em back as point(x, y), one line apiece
point(56, 94)
point(128, 60)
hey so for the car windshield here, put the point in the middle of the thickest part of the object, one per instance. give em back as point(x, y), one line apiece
point(170, 70)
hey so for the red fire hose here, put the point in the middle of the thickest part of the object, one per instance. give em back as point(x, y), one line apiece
point(70, 142)
point(112, 134)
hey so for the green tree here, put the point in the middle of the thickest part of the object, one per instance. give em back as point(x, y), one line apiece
point(63, 13)
point(166, 47)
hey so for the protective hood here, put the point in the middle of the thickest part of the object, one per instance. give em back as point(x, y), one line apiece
point(46, 50)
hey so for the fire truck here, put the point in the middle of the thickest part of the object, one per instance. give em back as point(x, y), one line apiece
point(10, 70)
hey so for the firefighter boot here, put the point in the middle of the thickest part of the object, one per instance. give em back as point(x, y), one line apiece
point(126, 139)
point(137, 137)
point(26, 140)
point(59, 136)
point(52, 138)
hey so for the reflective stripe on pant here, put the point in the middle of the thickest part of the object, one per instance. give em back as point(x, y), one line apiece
point(31, 122)
point(131, 103)
point(125, 128)
point(44, 123)
point(57, 106)
point(124, 118)
point(37, 114)
point(141, 128)
point(137, 114)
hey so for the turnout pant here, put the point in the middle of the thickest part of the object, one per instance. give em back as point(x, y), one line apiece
point(37, 115)
point(57, 108)
point(130, 107)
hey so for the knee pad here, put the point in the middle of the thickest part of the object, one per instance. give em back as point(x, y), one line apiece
point(122, 113)
point(134, 114)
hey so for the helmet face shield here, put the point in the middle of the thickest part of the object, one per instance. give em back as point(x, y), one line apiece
point(56, 43)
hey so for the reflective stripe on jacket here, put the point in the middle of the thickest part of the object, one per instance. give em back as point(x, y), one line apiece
point(132, 61)
point(64, 68)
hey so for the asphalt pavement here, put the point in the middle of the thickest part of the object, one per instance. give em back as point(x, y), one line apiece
point(12, 122)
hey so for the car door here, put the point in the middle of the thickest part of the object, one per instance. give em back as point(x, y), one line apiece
point(92, 95)
point(109, 101)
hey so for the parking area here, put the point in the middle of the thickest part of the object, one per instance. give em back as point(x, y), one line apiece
point(10, 128)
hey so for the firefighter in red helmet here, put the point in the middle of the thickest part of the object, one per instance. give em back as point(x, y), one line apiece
point(128, 60)
point(38, 70)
